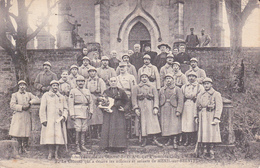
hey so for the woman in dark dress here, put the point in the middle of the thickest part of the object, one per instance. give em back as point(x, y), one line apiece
point(113, 135)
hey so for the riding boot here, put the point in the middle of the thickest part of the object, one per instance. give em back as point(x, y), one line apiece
point(187, 139)
point(155, 141)
point(193, 136)
point(77, 142)
point(205, 151)
point(144, 142)
point(211, 151)
point(56, 154)
point(50, 152)
point(25, 144)
point(175, 146)
point(83, 142)
point(168, 142)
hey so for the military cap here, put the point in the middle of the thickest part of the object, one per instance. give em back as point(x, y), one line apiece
point(47, 63)
point(203, 29)
point(74, 66)
point(125, 55)
point(147, 45)
point(104, 58)
point(54, 82)
point(169, 75)
point(192, 73)
point(144, 73)
point(122, 64)
point(166, 45)
point(86, 58)
point(177, 63)
point(192, 28)
point(22, 81)
point(207, 80)
point(194, 59)
point(146, 56)
point(92, 69)
point(80, 78)
point(170, 55)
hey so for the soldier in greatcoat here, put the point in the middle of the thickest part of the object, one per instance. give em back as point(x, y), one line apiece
point(105, 71)
point(167, 68)
point(74, 69)
point(20, 127)
point(130, 68)
point(145, 102)
point(43, 79)
point(171, 105)
point(64, 87)
point(194, 67)
point(96, 86)
point(53, 114)
point(181, 79)
point(190, 92)
point(152, 71)
point(83, 69)
point(160, 60)
point(81, 110)
point(209, 107)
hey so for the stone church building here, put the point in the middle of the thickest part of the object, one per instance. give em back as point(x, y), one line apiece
point(119, 24)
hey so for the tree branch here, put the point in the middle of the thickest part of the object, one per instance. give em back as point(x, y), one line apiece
point(30, 4)
point(13, 16)
point(250, 6)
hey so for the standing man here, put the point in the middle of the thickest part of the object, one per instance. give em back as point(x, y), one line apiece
point(73, 75)
point(183, 58)
point(145, 102)
point(147, 50)
point(83, 69)
point(96, 86)
point(190, 92)
point(209, 107)
point(113, 136)
point(160, 60)
point(96, 62)
point(192, 39)
point(113, 61)
point(204, 39)
point(137, 57)
point(20, 127)
point(81, 109)
point(130, 68)
point(83, 54)
point(201, 75)
point(53, 114)
point(171, 105)
point(44, 78)
point(167, 68)
point(105, 72)
point(181, 79)
point(64, 86)
point(151, 71)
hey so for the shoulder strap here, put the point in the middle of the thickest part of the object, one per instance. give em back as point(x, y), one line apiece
point(83, 94)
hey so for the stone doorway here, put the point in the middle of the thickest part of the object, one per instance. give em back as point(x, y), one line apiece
point(139, 34)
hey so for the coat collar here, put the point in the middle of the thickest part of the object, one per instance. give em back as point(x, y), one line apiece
point(85, 67)
point(141, 84)
point(170, 86)
point(21, 92)
point(61, 81)
point(93, 79)
point(103, 67)
point(149, 65)
point(194, 69)
point(52, 94)
point(193, 84)
point(210, 91)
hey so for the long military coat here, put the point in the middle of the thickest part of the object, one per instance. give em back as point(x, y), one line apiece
point(43, 79)
point(171, 101)
point(207, 132)
point(83, 70)
point(166, 69)
point(149, 122)
point(106, 73)
point(52, 107)
point(181, 79)
point(152, 72)
point(114, 125)
point(21, 120)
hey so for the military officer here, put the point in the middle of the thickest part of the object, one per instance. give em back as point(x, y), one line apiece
point(194, 67)
point(181, 79)
point(171, 105)
point(167, 68)
point(44, 78)
point(190, 92)
point(146, 106)
point(209, 107)
point(20, 127)
point(73, 75)
point(152, 71)
point(81, 109)
point(96, 86)
point(105, 72)
point(130, 68)
point(83, 69)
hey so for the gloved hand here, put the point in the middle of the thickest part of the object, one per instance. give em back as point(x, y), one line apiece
point(121, 108)
point(44, 123)
point(215, 121)
point(196, 120)
point(178, 113)
point(155, 111)
point(137, 112)
point(72, 118)
point(26, 107)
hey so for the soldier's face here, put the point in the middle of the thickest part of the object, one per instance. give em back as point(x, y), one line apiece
point(122, 69)
point(92, 73)
point(169, 60)
point(95, 55)
point(207, 85)
point(137, 48)
point(175, 51)
point(80, 83)
point(74, 71)
point(169, 80)
point(126, 59)
point(64, 76)
point(193, 64)
point(192, 78)
point(22, 87)
point(163, 48)
point(46, 67)
point(144, 78)
point(55, 87)
point(105, 62)
point(182, 49)
point(147, 61)
point(113, 82)
point(85, 51)
point(147, 49)
point(85, 62)
point(175, 67)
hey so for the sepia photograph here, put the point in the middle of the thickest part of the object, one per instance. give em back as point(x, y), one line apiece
point(129, 83)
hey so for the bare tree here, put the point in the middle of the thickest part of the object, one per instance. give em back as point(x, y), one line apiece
point(17, 28)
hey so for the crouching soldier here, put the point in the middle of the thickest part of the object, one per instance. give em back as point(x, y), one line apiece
point(21, 121)
point(171, 104)
point(146, 106)
point(81, 109)
point(209, 109)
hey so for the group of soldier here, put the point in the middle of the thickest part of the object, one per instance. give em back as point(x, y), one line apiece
point(167, 93)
